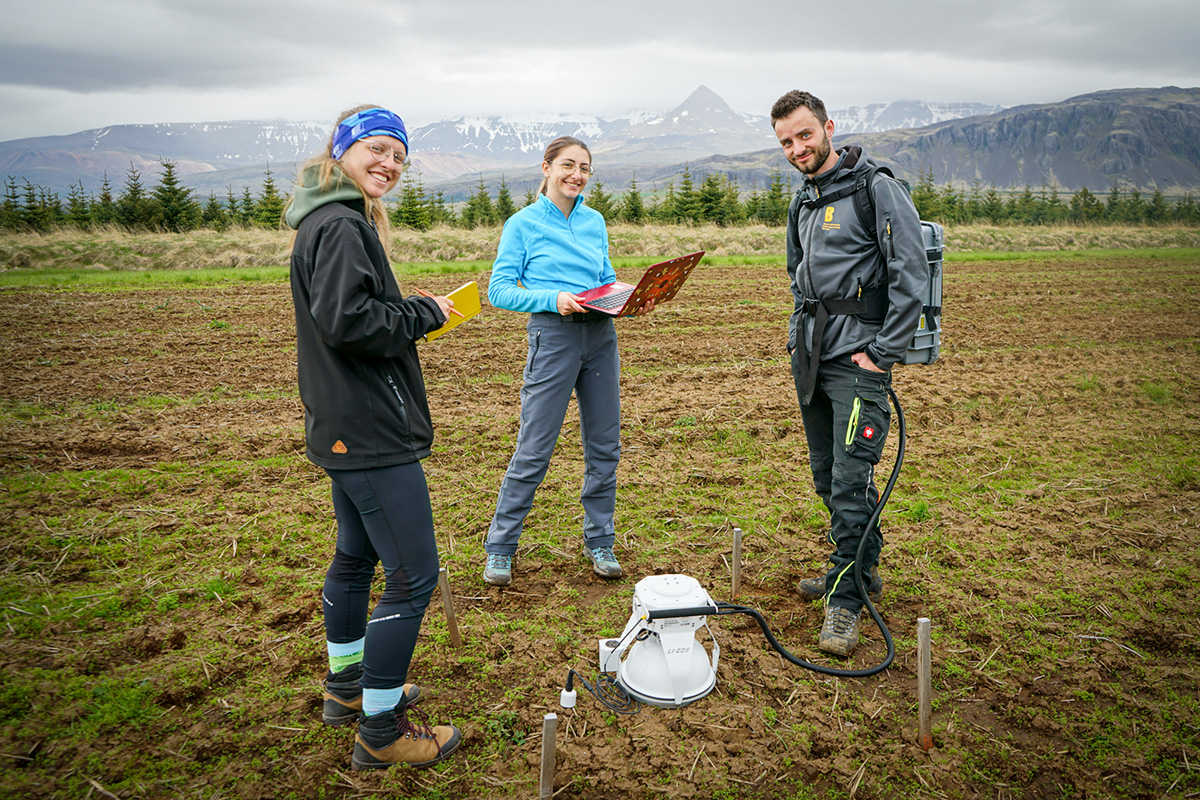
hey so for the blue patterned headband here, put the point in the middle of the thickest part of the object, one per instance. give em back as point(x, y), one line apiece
point(371, 122)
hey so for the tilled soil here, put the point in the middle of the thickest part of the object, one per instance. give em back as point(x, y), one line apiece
point(1058, 382)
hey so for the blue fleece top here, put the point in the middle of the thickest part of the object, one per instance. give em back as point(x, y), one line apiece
point(542, 253)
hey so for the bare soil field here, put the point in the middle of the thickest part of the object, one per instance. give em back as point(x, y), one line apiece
point(164, 541)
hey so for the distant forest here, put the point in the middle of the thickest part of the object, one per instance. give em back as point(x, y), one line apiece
point(713, 198)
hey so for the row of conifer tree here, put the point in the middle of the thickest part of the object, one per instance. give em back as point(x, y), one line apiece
point(714, 198)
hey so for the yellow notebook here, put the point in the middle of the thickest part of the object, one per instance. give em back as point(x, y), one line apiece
point(466, 302)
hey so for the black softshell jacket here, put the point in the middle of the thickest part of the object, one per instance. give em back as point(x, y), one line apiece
point(360, 379)
point(830, 255)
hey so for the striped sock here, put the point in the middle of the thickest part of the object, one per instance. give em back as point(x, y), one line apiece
point(378, 700)
point(344, 655)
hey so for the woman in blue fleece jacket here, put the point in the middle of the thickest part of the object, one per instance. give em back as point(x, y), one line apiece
point(550, 251)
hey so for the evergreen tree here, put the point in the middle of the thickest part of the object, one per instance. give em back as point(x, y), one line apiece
point(686, 205)
point(214, 215)
point(33, 213)
point(247, 207)
point(633, 210)
point(530, 196)
point(973, 202)
point(1133, 210)
point(1056, 210)
point(601, 201)
point(1022, 208)
point(664, 210)
point(925, 196)
point(504, 203)
point(133, 206)
point(773, 206)
point(50, 210)
point(439, 212)
point(268, 211)
point(1085, 207)
point(478, 210)
point(710, 205)
point(104, 209)
point(1157, 212)
point(950, 205)
point(1112, 205)
point(993, 206)
point(1186, 210)
point(79, 212)
point(175, 210)
point(10, 207)
point(413, 209)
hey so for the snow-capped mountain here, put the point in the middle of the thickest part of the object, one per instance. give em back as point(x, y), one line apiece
point(212, 156)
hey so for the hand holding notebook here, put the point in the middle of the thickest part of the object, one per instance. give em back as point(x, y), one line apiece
point(466, 305)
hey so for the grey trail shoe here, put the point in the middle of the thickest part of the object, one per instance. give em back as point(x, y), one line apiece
point(604, 563)
point(391, 737)
point(343, 695)
point(814, 588)
point(839, 634)
point(498, 570)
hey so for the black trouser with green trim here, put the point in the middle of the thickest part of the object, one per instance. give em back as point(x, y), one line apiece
point(846, 424)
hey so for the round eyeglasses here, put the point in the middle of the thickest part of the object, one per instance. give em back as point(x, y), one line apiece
point(382, 153)
point(568, 166)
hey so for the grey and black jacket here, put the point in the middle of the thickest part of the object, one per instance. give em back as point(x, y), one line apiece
point(360, 379)
point(830, 256)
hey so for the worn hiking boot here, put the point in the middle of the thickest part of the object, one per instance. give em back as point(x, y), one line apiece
point(498, 570)
point(604, 563)
point(814, 588)
point(839, 634)
point(391, 737)
point(343, 695)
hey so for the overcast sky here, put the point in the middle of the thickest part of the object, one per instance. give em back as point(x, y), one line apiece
point(70, 65)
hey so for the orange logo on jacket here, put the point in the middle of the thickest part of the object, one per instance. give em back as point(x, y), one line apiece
point(339, 447)
point(829, 224)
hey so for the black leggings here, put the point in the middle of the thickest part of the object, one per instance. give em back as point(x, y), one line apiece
point(383, 516)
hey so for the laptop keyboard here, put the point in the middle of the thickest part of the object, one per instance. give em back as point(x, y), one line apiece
point(612, 301)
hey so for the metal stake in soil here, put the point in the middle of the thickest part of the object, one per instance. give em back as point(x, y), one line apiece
point(924, 685)
point(448, 603)
point(737, 561)
point(549, 730)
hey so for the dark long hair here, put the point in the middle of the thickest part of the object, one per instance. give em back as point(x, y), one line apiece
point(552, 151)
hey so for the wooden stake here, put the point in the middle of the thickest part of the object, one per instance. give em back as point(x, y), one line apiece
point(737, 561)
point(924, 686)
point(448, 603)
point(549, 729)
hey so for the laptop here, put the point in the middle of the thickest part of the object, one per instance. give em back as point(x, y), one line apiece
point(660, 283)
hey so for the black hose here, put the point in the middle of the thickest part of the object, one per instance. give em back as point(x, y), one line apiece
point(722, 609)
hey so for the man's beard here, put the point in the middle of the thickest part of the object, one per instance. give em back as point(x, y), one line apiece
point(820, 155)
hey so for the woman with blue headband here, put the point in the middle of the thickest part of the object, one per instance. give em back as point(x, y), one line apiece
point(367, 424)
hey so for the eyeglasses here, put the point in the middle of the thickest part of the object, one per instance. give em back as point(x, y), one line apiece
point(569, 166)
point(382, 154)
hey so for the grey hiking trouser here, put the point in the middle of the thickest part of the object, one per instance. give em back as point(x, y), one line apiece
point(573, 353)
point(846, 424)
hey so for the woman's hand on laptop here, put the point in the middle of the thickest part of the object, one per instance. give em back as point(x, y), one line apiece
point(569, 304)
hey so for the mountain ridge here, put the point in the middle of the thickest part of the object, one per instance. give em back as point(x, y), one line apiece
point(1129, 137)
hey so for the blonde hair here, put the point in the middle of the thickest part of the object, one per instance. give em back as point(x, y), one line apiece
point(552, 151)
point(325, 164)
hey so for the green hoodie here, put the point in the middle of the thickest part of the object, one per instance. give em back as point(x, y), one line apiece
point(309, 195)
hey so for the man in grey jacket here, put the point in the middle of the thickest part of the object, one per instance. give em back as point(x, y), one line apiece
point(858, 279)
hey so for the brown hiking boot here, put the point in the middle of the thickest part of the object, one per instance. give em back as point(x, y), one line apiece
point(391, 738)
point(839, 634)
point(814, 588)
point(342, 695)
